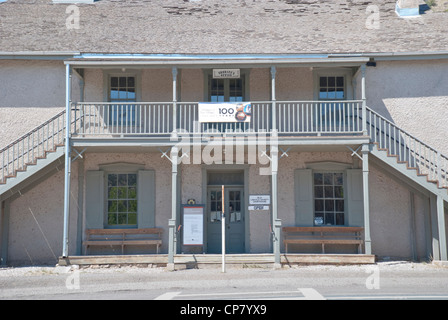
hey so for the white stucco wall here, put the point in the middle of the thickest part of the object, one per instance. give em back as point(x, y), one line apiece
point(414, 95)
point(32, 83)
point(31, 92)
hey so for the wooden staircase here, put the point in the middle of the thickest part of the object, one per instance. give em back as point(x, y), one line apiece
point(408, 155)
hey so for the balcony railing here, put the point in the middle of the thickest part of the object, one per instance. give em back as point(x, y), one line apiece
point(161, 119)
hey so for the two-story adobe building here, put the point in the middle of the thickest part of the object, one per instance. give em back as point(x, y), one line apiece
point(166, 132)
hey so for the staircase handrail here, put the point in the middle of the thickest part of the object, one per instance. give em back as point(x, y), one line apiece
point(34, 130)
point(433, 161)
point(27, 148)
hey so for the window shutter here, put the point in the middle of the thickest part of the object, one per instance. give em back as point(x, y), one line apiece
point(146, 199)
point(95, 199)
point(355, 202)
point(304, 197)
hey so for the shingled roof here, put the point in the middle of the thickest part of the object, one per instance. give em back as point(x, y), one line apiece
point(219, 27)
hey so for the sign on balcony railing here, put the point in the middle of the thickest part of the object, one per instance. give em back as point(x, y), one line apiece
point(225, 112)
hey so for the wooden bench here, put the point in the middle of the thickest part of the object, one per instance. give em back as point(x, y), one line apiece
point(123, 237)
point(323, 235)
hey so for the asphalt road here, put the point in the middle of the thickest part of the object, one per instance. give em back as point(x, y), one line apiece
point(384, 281)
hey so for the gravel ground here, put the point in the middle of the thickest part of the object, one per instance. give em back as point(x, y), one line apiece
point(138, 282)
point(383, 266)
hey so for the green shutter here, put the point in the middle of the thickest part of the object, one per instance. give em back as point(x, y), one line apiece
point(95, 199)
point(304, 197)
point(146, 199)
point(355, 205)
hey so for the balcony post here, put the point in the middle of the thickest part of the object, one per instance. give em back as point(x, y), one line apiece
point(174, 73)
point(274, 107)
point(364, 100)
point(67, 160)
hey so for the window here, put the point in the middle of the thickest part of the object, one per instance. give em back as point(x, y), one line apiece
point(122, 199)
point(329, 203)
point(122, 90)
point(120, 195)
point(331, 88)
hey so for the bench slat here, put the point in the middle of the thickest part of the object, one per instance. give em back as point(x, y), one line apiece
point(322, 229)
point(323, 235)
point(120, 242)
point(98, 237)
point(123, 231)
point(326, 241)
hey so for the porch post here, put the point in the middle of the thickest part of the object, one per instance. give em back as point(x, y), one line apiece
point(365, 192)
point(67, 160)
point(435, 243)
point(274, 106)
point(4, 230)
point(174, 72)
point(442, 230)
point(274, 179)
point(275, 221)
point(172, 221)
point(364, 100)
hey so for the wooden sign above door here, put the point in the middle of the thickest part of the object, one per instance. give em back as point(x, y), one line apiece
point(226, 73)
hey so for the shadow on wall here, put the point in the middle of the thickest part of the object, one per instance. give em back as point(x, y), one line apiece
point(395, 83)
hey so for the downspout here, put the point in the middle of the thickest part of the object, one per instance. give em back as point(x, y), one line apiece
point(67, 160)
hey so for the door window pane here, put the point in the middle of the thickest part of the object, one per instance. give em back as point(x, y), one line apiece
point(235, 90)
point(217, 90)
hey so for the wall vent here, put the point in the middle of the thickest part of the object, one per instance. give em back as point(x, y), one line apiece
point(408, 8)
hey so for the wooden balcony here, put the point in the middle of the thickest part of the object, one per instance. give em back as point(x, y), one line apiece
point(162, 120)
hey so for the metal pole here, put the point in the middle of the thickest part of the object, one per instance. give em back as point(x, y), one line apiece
point(67, 161)
point(223, 232)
